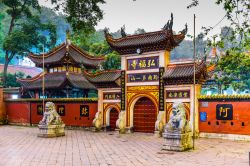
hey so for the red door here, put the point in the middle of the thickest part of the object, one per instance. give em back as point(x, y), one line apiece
point(144, 115)
point(113, 118)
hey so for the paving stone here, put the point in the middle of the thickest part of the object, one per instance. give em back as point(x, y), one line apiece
point(21, 146)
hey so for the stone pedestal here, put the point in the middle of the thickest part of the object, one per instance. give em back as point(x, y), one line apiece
point(157, 133)
point(177, 141)
point(51, 131)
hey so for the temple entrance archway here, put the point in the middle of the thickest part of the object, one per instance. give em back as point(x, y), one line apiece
point(144, 115)
point(113, 116)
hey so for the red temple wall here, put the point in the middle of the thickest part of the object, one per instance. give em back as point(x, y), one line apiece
point(19, 113)
point(240, 123)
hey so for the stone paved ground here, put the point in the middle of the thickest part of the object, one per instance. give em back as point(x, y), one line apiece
point(21, 146)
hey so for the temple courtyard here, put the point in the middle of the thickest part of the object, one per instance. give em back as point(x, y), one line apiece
point(21, 146)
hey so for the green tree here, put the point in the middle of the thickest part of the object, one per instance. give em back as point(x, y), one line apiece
point(25, 31)
point(12, 79)
point(83, 15)
point(233, 69)
point(112, 61)
point(238, 14)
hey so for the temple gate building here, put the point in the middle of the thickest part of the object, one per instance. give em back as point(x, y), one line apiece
point(149, 82)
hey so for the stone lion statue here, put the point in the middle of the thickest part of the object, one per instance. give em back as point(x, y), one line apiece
point(159, 124)
point(121, 123)
point(97, 122)
point(50, 116)
point(177, 120)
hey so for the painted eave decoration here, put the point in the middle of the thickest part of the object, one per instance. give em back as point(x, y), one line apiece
point(225, 97)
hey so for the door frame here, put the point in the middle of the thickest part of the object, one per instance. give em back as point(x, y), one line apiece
point(132, 105)
point(107, 113)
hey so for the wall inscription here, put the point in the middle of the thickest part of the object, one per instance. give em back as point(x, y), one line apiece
point(112, 96)
point(143, 63)
point(84, 110)
point(224, 112)
point(143, 77)
point(174, 94)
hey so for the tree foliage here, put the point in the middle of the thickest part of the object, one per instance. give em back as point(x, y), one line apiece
point(30, 35)
point(112, 61)
point(233, 69)
point(25, 30)
point(238, 14)
point(12, 79)
point(83, 15)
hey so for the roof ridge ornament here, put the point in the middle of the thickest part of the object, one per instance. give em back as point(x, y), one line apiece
point(106, 32)
point(169, 25)
point(68, 42)
point(184, 31)
point(123, 33)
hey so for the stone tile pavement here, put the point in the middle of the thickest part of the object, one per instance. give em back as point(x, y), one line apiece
point(21, 146)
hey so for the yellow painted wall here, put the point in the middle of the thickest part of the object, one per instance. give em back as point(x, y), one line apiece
point(167, 58)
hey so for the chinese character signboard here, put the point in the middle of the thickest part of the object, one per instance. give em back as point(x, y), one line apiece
point(161, 89)
point(178, 94)
point(224, 112)
point(84, 110)
point(143, 63)
point(123, 90)
point(203, 116)
point(39, 109)
point(61, 110)
point(112, 96)
point(143, 77)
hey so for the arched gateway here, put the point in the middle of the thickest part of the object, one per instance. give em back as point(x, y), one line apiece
point(144, 115)
point(113, 116)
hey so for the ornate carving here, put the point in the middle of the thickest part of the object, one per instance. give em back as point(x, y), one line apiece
point(130, 95)
point(142, 88)
point(156, 95)
point(105, 106)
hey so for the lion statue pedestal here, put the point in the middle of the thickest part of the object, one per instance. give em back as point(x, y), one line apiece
point(51, 125)
point(177, 132)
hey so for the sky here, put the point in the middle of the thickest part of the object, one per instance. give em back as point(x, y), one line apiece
point(152, 15)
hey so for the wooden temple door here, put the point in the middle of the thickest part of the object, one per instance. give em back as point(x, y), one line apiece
point(113, 115)
point(144, 115)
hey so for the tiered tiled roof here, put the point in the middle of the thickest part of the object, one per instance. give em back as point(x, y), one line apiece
point(152, 41)
point(183, 73)
point(77, 55)
point(57, 80)
point(77, 80)
point(105, 79)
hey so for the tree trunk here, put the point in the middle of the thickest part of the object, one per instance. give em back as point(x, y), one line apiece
point(7, 58)
point(5, 70)
point(6, 63)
